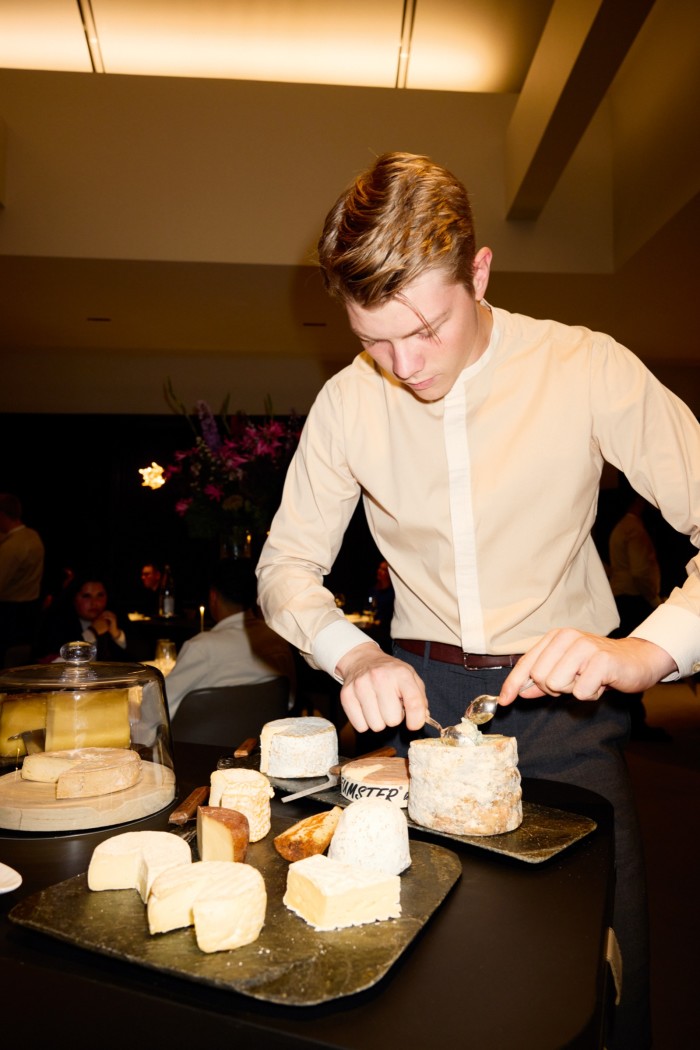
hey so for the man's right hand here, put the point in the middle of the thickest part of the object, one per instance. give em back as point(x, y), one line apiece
point(379, 690)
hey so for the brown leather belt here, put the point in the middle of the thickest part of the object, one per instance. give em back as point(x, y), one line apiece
point(452, 654)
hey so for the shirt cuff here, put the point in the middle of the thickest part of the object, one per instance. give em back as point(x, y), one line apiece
point(678, 632)
point(333, 642)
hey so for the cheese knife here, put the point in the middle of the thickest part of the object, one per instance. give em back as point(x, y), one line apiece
point(333, 776)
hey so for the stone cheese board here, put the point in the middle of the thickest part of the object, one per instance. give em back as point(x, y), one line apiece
point(27, 805)
point(544, 832)
point(290, 963)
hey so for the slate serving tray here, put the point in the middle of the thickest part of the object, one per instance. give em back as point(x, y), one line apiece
point(543, 834)
point(290, 963)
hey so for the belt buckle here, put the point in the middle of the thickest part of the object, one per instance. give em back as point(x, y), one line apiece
point(467, 665)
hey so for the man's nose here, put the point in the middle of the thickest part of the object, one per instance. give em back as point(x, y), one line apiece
point(407, 361)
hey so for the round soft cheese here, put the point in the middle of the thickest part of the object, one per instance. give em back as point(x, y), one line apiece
point(372, 836)
point(465, 790)
point(292, 748)
point(382, 778)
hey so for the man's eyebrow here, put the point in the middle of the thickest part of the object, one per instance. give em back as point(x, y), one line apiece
point(424, 325)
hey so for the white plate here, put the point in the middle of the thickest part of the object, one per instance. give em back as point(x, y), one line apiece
point(9, 879)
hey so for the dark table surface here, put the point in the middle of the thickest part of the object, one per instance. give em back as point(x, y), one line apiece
point(513, 959)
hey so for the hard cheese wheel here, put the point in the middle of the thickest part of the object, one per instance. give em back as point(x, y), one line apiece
point(85, 771)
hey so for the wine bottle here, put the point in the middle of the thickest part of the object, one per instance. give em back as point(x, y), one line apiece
point(166, 603)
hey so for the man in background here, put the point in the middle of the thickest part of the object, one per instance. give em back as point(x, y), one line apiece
point(240, 649)
point(21, 572)
point(149, 593)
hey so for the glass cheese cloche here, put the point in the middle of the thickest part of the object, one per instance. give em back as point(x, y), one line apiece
point(82, 744)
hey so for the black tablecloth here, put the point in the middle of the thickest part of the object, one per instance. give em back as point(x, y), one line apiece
point(514, 958)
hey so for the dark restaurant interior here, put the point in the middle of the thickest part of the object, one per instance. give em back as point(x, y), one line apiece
point(165, 169)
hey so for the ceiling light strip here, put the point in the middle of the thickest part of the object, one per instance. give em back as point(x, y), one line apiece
point(407, 21)
point(90, 29)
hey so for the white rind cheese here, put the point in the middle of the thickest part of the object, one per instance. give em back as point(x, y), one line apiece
point(292, 748)
point(231, 912)
point(225, 902)
point(247, 791)
point(134, 859)
point(383, 778)
point(465, 790)
point(331, 896)
point(373, 836)
point(84, 772)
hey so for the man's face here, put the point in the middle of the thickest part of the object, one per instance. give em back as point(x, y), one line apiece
point(91, 600)
point(150, 577)
point(428, 336)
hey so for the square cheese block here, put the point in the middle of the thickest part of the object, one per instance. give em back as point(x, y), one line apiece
point(330, 895)
point(247, 791)
point(222, 834)
point(19, 715)
point(134, 859)
point(225, 902)
point(97, 718)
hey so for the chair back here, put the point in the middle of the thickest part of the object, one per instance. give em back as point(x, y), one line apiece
point(229, 714)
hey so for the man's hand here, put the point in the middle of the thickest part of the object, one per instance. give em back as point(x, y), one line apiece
point(569, 661)
point(379, 690)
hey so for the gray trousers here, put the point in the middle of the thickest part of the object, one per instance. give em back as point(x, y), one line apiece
point(580, 743)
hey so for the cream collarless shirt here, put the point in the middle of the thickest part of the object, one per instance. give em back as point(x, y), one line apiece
point(483, 503)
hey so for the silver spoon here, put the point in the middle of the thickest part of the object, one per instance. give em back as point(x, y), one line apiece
point(451, 735)
point(482, 709)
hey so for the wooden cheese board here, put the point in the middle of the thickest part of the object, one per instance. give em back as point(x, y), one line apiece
point(27, 805)
point(290, 963)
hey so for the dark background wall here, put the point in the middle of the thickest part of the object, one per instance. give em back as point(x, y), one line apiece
point(79, 482)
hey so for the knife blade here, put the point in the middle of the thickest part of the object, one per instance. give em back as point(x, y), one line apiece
point(333, 777)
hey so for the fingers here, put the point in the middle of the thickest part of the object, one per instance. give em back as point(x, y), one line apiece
point(381, 691)
point(585, 665)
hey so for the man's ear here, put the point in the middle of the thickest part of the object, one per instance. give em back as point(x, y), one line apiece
point(481, 272)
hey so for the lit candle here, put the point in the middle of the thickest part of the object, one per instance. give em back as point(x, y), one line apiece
point(201, 617)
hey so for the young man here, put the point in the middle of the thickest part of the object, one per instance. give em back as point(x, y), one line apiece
point(476, 439)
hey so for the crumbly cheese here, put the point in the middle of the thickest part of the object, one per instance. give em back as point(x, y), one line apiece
point(465, 790)
point(330, 895)
point(95, 718)
point(292, 748)
point(373, 836)
point(247, 791)
point(382, 778)
point(83, 772)
point(134, 859)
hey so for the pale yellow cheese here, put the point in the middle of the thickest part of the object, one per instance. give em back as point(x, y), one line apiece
point(19, 715)
point(330, 895)
point(134, 859)
point(226, 903)
point(84, 772)
point(247, 791)
point(96, 718)
point(222, 834)
point(231, 911)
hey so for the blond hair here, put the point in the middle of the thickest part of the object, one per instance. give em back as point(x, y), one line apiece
point(401, 217)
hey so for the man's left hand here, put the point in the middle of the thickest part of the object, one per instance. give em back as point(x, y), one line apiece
point(569, 661)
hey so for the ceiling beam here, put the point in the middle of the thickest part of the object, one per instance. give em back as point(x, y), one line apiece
point(582, 47)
